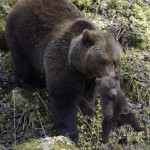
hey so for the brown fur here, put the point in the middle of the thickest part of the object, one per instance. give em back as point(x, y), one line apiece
point(50, 40)
point(114, 107)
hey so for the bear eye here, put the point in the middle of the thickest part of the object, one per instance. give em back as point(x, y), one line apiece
point(102, 62)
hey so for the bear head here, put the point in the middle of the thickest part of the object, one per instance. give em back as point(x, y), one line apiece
point(108, 86)
point(95, 53)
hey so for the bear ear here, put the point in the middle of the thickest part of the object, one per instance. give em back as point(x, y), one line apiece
point(86, 35)
point(111, 30)
point(117, 77)
point(98, 81)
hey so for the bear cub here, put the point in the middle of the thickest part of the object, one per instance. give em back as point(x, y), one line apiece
point(114, 106)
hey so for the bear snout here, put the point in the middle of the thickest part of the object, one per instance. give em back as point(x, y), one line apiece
point(113, 93)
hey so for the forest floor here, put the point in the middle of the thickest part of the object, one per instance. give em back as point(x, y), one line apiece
point(25, 114)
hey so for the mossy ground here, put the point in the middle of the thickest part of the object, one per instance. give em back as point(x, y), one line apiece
point(48, 143)
point(32, 120)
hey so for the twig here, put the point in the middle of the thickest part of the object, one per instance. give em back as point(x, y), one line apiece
point(14, 119)
point(44, 103)
point(41, 122)
point(120, 33)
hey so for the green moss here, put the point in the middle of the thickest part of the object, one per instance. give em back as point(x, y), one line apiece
point(64, 143)
point(5, 8)
point(48, 143)
point(135, 77)
point(32, 145)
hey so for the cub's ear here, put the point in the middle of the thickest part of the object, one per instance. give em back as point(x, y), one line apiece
point(111, 30)
point(117, 77)
point(87, 37)
point(98, 81)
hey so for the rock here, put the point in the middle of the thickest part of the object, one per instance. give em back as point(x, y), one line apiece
point(19, 97)
point(48, 143)
point(136, 106)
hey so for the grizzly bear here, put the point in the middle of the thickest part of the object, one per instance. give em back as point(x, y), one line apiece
point(52, 43)
point(114, 106)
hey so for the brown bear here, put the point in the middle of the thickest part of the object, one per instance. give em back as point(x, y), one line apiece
point(52, 42)
point(114, 106)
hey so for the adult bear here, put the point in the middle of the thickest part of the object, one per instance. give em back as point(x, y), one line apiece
point(51, 38)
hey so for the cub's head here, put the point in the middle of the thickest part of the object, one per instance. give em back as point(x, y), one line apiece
point(95, 53)
point(108, 86)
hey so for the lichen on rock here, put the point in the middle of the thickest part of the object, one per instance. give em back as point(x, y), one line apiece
point(48, 143)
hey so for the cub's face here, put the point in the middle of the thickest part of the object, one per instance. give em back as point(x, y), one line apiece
point(108, 86)
point(102, 53)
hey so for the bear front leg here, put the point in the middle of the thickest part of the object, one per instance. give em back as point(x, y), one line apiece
point(107, 108)
point(64, 112)
point(64, 95)
point(87, 100)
